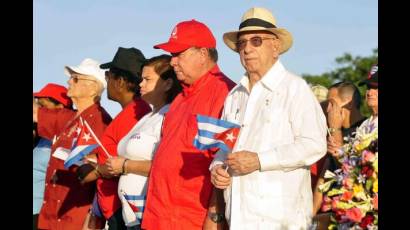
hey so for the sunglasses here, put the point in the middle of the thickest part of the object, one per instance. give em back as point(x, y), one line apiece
point(255, 41)
point(76, 79)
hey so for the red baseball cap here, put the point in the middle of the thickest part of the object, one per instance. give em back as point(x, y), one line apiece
point(188, 34)
point(57, 92)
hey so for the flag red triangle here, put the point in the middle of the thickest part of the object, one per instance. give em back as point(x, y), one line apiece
point(133, 207)
point(228, 137)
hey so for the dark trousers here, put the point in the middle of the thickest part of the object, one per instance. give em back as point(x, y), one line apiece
point(35, 219)
point(116, 222)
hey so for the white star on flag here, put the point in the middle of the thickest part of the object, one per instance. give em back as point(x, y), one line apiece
point(230, 137)
point(78, 131)
point(86, 137)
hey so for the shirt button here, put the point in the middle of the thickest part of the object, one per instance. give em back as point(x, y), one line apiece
point(59, 220)
point(58, 201)
point(46, 184)
point(44, 202)
point(54, 185)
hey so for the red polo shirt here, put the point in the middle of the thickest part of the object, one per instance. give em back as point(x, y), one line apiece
point(179, 186)
point(118, 128)
point(66, 201)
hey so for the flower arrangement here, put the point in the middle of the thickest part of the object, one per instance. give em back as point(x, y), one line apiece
point(351, 192)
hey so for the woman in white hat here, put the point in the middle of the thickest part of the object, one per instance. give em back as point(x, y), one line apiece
point(66, 201)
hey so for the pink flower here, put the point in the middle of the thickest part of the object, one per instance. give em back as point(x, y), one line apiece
point(326, 204)
point(376, 201)
point(348, 183)
point(354, 214)
point(367, 156)
point(346, 167)
point(335, 201)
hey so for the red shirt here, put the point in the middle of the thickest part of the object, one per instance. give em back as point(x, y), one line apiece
point(66, 201)
point(179, 186)
point(118, 128)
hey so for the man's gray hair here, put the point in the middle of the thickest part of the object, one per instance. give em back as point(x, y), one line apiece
point(213, 54)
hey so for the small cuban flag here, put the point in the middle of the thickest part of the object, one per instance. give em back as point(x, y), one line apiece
point(83, 144)
point(132, 208)
point(215, 133)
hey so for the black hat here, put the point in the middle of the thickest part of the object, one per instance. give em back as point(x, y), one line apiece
point(128, 59)
point(372, 80)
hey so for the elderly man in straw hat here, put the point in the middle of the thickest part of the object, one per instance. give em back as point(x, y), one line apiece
point(66, 201)
point(266, 178)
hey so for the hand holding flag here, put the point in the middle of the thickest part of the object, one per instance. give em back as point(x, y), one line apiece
point(83, 144)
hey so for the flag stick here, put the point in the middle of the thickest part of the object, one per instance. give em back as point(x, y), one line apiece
point(96, 138)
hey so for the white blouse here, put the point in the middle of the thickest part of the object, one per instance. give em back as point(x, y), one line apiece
point(139, 144)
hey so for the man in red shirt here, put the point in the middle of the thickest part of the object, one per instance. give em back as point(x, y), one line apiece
point(179, 188)
point(123, 79)
point(66, 201)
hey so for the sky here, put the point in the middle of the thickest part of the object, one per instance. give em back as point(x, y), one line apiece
point(66, 32)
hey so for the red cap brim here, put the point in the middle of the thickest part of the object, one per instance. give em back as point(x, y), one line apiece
point(39, 94)
point(62, 100)
point(172, 47)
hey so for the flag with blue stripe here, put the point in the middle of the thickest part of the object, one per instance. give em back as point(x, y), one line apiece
point(83, 145)
point(132, 208)
point(215, 133)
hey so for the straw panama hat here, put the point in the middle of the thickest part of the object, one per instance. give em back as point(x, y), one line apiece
point(258, 18)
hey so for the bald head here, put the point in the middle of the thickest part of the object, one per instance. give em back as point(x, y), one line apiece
point(347, 91)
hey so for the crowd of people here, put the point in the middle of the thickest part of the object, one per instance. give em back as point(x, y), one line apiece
point(146, 173)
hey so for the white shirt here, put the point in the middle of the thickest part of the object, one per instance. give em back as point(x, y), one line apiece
point(284, 124)
point(369, 125)
point(139, 144)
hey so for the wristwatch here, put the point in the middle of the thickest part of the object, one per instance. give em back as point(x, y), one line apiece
point(216, 217)
point(332, 130)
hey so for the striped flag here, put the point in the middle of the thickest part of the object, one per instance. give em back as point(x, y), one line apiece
point(83, 144)
point(132, 208)
point(215, 133)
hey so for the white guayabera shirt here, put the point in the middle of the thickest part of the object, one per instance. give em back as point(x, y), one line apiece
point(283, 123)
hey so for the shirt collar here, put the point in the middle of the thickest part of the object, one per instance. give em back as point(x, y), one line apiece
point(274, 76)
point(188, 90)
point(271, 79)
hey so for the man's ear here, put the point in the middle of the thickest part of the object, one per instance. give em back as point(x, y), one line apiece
point(204, 53)
point(120, 83)
point(168, 84)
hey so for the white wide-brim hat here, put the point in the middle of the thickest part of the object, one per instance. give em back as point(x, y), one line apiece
point(259, 19)
point(90, 68)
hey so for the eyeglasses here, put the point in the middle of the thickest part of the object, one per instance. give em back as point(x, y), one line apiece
point(255, 41)
point(76, 79)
